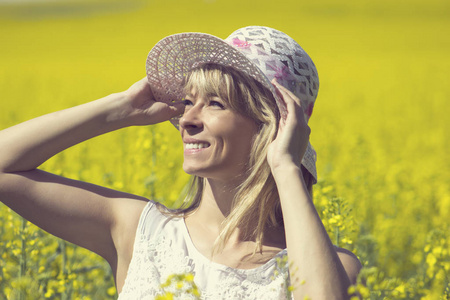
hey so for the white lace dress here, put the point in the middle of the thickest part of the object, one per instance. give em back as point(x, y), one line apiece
point(165, 262)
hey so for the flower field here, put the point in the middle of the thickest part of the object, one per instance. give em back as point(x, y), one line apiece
point(380, 127)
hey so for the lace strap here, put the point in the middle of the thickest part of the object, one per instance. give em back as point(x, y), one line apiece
point(144, 218)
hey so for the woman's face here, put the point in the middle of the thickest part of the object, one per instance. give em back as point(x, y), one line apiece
point(217, 140)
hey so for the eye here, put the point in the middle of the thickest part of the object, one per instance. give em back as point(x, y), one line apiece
point(186, 102)
point(216, 104)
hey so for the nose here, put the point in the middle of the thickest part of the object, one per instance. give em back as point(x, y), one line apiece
point(191, 118)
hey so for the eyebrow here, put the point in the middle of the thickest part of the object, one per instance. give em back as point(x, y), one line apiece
point(212, 95)
point(209, 95)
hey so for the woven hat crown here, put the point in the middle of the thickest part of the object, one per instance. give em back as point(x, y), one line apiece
point(279, 56)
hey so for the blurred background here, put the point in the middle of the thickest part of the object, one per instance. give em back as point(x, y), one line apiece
point(380, 126)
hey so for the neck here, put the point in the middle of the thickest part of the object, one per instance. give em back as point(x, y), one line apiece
point(216, 202)
point(215, 207)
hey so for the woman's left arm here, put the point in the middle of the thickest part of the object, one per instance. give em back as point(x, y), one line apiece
point(316, 268)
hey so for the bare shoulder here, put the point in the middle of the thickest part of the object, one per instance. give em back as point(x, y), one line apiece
point(127, 213)
point(350, 262)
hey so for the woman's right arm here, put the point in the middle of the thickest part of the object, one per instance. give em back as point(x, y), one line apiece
point(81, 213)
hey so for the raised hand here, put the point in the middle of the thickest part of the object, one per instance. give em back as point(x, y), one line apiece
point(292, 138)
point(142, 109)
point(27, 145)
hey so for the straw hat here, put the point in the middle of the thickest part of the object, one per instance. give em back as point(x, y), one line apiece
point(261, 52)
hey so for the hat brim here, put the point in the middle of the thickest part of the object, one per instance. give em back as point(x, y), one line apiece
point(174, 57)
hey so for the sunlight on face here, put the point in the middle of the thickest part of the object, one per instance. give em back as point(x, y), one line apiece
point(217, 139)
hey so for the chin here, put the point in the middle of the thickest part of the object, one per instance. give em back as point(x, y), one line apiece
point(189, 172)
point(193, 171)
point(198, 174)
point(201, 172)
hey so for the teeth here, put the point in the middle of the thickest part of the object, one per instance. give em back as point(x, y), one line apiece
point(196, 145)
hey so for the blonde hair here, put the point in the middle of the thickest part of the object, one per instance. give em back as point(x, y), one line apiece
point(256, 204)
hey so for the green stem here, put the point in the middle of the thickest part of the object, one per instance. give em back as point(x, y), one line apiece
point(23, 255)
point(62, 244)
point(337, 235)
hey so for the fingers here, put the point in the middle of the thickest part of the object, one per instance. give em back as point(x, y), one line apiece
point(292, 102)
point(160, 112)
point(177, 107)
point(285, 92)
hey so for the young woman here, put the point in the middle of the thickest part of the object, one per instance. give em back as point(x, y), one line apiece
point(242, 106)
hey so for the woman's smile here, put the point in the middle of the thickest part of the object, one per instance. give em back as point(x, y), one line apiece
point(192, 146)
